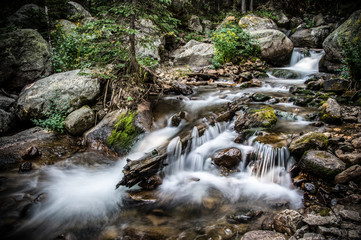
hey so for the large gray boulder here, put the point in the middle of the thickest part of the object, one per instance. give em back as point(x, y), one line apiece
point(276, 47)
point(66, 26)
point(77, 11)
point(77, 122)
point(311, 37)
point(149, 40)
point(322, 164)
point(72, 88)
point(25, 56)
point(194, 53)
point(330, 111)
point(252, 23)
point(350, 31)
point(29, 16)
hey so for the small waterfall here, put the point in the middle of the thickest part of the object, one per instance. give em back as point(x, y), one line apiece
point(270, 163)
point(305, 60)
point(297, 56)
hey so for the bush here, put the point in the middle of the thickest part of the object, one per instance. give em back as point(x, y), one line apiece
point(352, 62)
point(232, 44)
point(55, 115)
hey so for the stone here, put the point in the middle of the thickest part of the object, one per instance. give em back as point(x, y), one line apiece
point(331, 231)
point(349, 158)
point(7, 121)
point(311, 140)
point(207, 25)
point(352, 173)
point(282, 20)
point(26, 56)
point(181, 88)
point(264, 117)
point(319, 20)
point(253, 83)
point(6, 102)
point(30, 153)
point(288, 221)
point(73, 88)
point(149, 40)
point(96, 137)
point(356, 142)
point(263, 235)
point(253, 23)
point(65, 26)
point(194, 53)
point(228, 158)
point(316, 220)
point(151, 183)
point(330, 111)
point(177, 118)
point(76, 11)
point(29, 16)
point(144, 118)
point(350, 215)
point(313, 236)
point(25, 167)
point(260, 97)
point(194, 24)
point(276, 47)
point(285, 73)
point(322, 164)
point(244, 216)
point(310, 37)
point(349, 30)
point(77, 122)
point(336, 85)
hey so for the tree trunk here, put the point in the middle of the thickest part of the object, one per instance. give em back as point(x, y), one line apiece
point(244, 10)
point(133, 60)
point(251, 5)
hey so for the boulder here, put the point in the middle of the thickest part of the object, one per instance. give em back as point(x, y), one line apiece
point(350, 32)
point(71, 87)
point(288, 221)
point(317, 220)
point(256, 118)
point(330, 111)
point(338, 85)
point(352, 173)
point(349, 158)
point(263, 235)
point(276, 47)
point(228, 158)
point(194, 54)
point(148, 39)
point(194, 24)
point(76, 11)
point(319, 20)
point(310, 37)
point(253, 23)
point(181, 88)
point(285, 73)
point(260, 97)
point(356, 142)
point(282, 20)
point(25, 56)
point(321, 163)
point(144, 118)
point(207, 25)
point(29, 16)
point(97, 136)
point(311, 140)
point(77, 122)
point(7, 120)
point(65, 26)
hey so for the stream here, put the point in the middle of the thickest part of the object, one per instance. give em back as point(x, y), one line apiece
point(76, 198)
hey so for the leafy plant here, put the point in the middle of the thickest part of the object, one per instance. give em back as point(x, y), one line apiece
point(147, 61)
point(352, 62)
point(194, 36)
point(55, 115)
point(232, 44)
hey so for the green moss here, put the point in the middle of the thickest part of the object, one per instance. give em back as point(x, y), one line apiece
point(266, 115)
point(313, 137)
point(124, 132)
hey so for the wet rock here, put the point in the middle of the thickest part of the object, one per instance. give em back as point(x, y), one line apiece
point(330, 111)
point(310, 37)
point(285, 73)
point(77, 122)
point(275, 140)
point(73, 88)
point(259, 97)
point(252, 23)
point(310, 188)
point(181, 88)
point(256, 118)
point(332, 45)
point(76, 11)
point(194, 54)
point(253, 83)
point(356, 142)
point(315, 85)
point(30, 153)
point(151, 183)
point(276, 47)
point(228, 158)
point(151, 233)
point(288, 221)
point(144, 118)
point(194, 24)
point(263, 235)
point(25, 57)
point(311, 140)
point(25, 167)
point(108, 233)
point(316, 220)
point(177, 118)
point(322, 164)
point(352, 173)
point(349, 158)
point(222, 231)
point(244, 216)
point(336, 85)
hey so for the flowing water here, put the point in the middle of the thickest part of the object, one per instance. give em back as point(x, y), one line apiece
point(80, 195)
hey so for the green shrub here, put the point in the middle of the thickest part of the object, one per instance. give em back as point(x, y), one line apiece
point(232, 44)
point(55, 116)
point(352, 62)
point(194, 36)
point(147, 61)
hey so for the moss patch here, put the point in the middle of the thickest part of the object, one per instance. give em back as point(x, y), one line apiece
point(124, 132)
point(265, 115)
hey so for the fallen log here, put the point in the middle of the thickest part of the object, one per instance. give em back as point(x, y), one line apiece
point(136, 171)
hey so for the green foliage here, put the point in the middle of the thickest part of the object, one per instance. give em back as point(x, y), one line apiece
point(124, 132)
point(232, 44)
point(147, 61)
point(309, 23)
point(266, 14)
point(352, 62)
point(55, 116)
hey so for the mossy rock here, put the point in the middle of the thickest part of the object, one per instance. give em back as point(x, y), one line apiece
point(265, 116)
point(309, 141)
point(124, 133)
point(285, 73)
